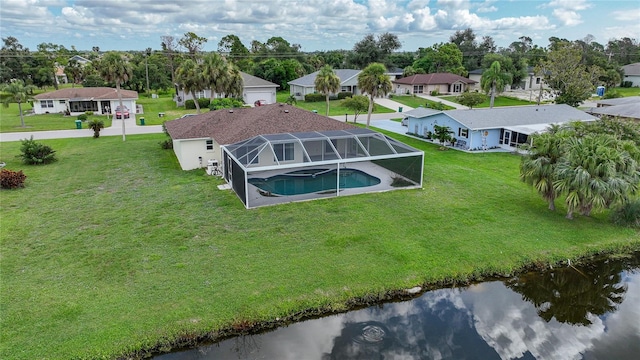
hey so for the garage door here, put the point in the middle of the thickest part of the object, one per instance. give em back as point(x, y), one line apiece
point(258, 95)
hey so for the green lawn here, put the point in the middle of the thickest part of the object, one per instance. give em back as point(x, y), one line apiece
point(10, 120)
point(626, 92)
point(335, 108)
point(113, 248)
point(415, 101)
point(498, 101)
point(164, 104)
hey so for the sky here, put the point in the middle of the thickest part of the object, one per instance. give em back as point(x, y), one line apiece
point(313, 24)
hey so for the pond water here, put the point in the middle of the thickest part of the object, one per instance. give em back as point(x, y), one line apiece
point(589, 312)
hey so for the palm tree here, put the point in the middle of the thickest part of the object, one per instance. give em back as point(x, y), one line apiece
point(96, 126)
point(327, 82)
point(115, 69)
point(373, 81)
point(214, 71)
point(442, 133)
point(189, 76)
point(538, 166)
point(235, 84)
point(494, 80)
point(19, 93)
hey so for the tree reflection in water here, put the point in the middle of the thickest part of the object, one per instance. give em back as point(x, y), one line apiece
point(570, 295)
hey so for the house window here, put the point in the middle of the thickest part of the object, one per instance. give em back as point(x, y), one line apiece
point(62, 102)
point(284, 152)
point(199, 94)
point(209, 145)
point(537, 80)
point(46, 104)
point(463, 132)
point(418, 89)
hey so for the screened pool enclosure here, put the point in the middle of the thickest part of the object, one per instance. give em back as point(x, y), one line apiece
point(281, 168)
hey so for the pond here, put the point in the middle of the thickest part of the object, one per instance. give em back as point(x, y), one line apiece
point(587, 312)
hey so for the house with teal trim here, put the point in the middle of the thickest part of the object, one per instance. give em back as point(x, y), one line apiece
point(502, 127)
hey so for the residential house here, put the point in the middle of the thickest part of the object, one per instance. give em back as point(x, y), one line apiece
point(632, 73)
point(254, 89)
point(501, 127)
point(306, 84)
point(442, 83)
point(625, 108)
point(530, 82)
point(99, 100)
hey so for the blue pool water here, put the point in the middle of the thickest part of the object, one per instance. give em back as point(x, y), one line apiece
point(313, 181)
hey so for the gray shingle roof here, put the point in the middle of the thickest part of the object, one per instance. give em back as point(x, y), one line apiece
point(630, 110)
point(620, 101)
point(95, 93)
point(632, 69)
point(243, 123)
point(478, 119)
point(309, 80)
point(254, 81)
point(421, 112)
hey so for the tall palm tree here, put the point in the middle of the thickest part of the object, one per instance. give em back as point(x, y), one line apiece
point(235, 84)
point(327, 82)
point(189, 77)
point(373, 81)
point(494, 80)
point(214, 71)
point(538, 166)
point(114, 68)
point(18, 93)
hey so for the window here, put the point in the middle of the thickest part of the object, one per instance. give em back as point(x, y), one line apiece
point(46, 104)
point(62, 101)
point(209, 145)
point(284, 152)
point(537, 80)
point(418, 89)
point(463, 132)
point(199, 94)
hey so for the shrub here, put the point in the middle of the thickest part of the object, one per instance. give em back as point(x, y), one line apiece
point(612, 94)
point(10, 179)
point(203, 102)
point(88, 113)
point(627, 214)
point(166, 144)
point(626, 84)
point(435, 92)
point(226, 103)
point(33, 153)
point(313, 97)
point(82, 117)
point(344, 94)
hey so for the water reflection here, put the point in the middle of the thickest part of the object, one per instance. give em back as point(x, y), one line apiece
point(586, 313)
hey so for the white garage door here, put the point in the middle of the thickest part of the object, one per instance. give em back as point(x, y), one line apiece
point(253, 96)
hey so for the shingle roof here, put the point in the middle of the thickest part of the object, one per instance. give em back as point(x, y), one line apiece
point(632, 69)
point(477, 119)
point(227, 127)
point(309, 80)
point(629, 110)
point(421, 112)
point(433, 79)
point(254, 81)
point(95, 93)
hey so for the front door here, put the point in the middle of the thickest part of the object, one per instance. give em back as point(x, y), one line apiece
point(105, 105)
point(506, 139)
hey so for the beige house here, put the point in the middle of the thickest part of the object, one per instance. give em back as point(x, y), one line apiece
point(99, 100)
point(442, 83)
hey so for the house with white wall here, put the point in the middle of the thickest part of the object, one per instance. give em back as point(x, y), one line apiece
point(253, 89)
point(99, 100)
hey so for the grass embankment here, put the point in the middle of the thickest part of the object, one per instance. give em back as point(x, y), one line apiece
point(498, 101)
point(113, 248)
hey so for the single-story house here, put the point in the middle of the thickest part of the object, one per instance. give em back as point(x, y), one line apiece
point(501, 127)
point(530, 82)
point(279, 153)
point(100, 100)
point(443, 83)
point(81, 60)
point(306, 84)
point(632, 73)
point(254, 89)
point(625, 107)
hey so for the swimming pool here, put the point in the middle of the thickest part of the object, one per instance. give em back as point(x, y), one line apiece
point(313, 181)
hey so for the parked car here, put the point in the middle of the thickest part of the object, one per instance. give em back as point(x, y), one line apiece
point(405, 121)
point(120, 112)
point(260, 103)
point(186, 115)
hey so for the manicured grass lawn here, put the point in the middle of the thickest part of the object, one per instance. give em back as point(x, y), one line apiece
point(10, 120)
point(632, 91)
point(415, 101)
point(499, 101)
point(113, 248)
point(335, 108)
point(164, 104)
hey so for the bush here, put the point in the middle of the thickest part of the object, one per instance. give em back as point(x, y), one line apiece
point(203, 102)
point(166, 144)
point(88, 113)
point(626, 84)
point(226, 103)
point(435, 92)
point(313, 97)
point(627, 215)
point(10, 179)
point(82, 117)
point(612, 94)
point(34, 153)
point(344, 94)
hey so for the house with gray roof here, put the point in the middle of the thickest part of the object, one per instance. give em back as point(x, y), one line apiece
point(99, 100)
point(502, 127)
point(632, 73)
point(625, 107)
point(254, 89)
point(306, 84)
point(442, 83)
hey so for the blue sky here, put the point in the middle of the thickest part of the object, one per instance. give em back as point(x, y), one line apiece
point(314, 24)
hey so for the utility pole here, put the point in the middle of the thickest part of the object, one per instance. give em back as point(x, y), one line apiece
point(146, 63)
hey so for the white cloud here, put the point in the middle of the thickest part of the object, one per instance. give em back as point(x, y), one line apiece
point(626, 15)
point(566, 11)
